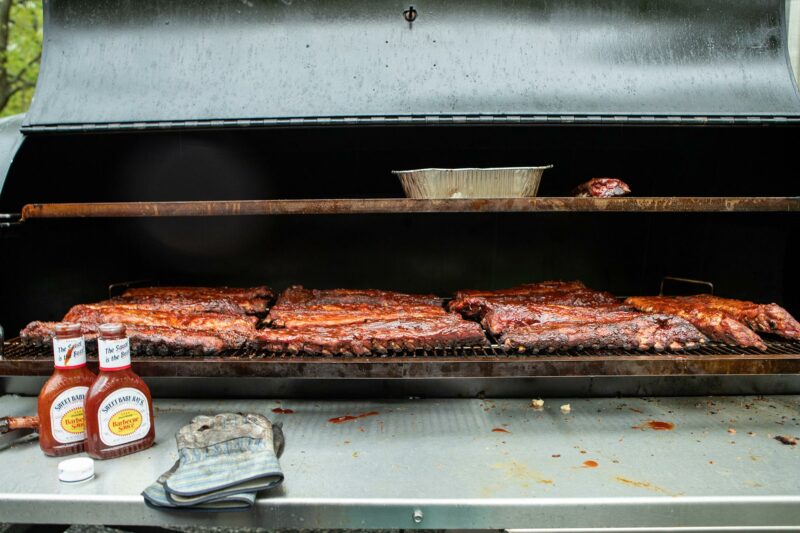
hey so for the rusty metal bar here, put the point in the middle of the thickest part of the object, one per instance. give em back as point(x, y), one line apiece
point(407, 205)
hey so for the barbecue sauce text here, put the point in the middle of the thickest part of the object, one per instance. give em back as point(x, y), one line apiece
point(119, 408)
point(62, 428)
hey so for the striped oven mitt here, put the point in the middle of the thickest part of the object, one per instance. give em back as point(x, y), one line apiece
point(223, 461)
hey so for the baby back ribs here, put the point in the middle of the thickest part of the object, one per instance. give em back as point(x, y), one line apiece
point(284, 316)
point(610, 329)
point(718, 325)
point(474, 304)
point(253, 300)
point(144, 339)
point(502, 315)
point(602, 188)
point(764, 318)
point(177, 304)
point(297, 295)
point(379, 336)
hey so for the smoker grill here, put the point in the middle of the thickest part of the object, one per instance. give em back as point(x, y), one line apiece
point(247, 143)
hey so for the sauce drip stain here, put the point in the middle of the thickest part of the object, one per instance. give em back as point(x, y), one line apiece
point(590, 464)
point(656, 425)
point(282, 411)
point(500, 430)
point(348, 418)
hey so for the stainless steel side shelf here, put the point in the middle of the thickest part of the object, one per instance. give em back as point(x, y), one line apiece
point(466, 464)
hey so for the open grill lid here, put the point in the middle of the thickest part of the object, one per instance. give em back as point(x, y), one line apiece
point(185, 63)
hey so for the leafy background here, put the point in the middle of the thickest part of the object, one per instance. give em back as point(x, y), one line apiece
point(20, 50)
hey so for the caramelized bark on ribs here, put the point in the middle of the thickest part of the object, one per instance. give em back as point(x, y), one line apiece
point(502, 315)
point(358, 322)
point(178, 304)
point(234, 330)
point(253, 300)
point(475, 303)
point(144, 339)
point(716, 324)
point(284, 316)
point(764, 318)
point(379, 336)
point(609, 329)
point(297, 295)
point(602, 188)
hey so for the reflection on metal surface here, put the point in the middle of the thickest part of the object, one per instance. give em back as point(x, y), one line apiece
point(440, 457)
point(151, 64)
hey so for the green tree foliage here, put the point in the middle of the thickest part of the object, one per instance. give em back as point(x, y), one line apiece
point(20, 50)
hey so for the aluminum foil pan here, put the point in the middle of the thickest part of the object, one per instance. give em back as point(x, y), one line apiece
point(510, 182)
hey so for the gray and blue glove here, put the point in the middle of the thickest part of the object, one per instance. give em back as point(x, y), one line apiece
point(223, 461)
point(155, 496)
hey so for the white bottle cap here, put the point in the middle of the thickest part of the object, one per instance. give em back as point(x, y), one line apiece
point(76, 470)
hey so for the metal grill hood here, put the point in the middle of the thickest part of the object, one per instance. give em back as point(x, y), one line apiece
point(149, 63)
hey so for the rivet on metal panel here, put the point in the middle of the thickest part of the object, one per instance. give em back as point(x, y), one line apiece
point(410, 15)
point(417, 516)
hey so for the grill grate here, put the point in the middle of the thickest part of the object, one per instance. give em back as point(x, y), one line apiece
point(493, 361)
point(16, 349)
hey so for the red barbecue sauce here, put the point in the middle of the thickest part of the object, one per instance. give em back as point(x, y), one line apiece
point(62, 424)
point(119, 408)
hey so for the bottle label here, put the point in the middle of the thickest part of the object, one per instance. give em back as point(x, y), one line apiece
point(124, 416)
point(69, 353)
point(67, 420)
point(114, 354)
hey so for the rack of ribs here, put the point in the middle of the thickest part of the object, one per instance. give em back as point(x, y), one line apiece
point(357, 322)
point(502, 315)
point(297, 295)
point(177, 304)
point(339, 315)
point(371, 336)
point(253, 300)
point(176, 330)
point(475, 303)
point(564, 328)
point(144, 339)
point(722, 319)
point(602, 188)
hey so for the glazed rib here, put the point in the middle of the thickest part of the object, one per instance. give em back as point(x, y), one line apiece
point(613, 329)
point(764, 318)
point(253, 300)
point(144, 339)
point(602, 188)
point(374, 336)
point(357, 322)
point(333, 315)
point(297, 295)
point(502, 315)
point(715, 323)
point(177, 304)
point(474, 303)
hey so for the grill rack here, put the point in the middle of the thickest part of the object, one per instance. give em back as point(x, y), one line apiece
point(781, 357)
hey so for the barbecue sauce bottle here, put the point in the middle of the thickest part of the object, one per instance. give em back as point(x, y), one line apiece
point(62, 428)
point(119, 408)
